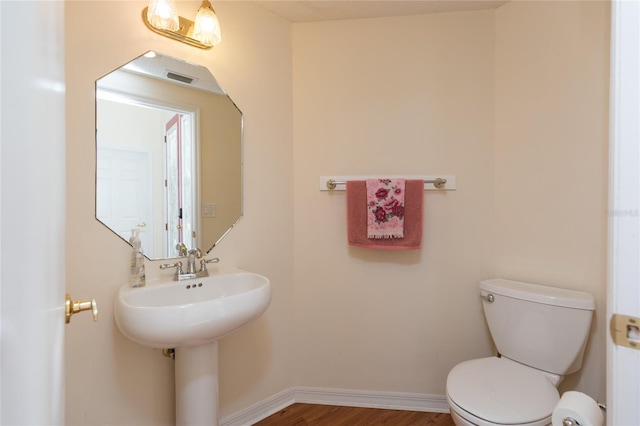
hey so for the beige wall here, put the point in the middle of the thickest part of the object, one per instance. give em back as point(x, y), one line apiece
point(409, 95)
point(111, 380)
point(513, 102)
point(551, 155)
point(415, 95)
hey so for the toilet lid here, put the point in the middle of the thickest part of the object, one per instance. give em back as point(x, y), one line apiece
point(501, 391)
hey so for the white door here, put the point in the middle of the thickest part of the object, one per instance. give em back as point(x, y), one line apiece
point(623, 363)
point(32, 213)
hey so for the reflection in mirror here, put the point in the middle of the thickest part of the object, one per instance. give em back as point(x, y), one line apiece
point(168, 155)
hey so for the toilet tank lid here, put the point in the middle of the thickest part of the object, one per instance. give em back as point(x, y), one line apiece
point(539, 293)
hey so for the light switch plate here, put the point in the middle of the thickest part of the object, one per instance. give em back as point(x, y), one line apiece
point(208, 210)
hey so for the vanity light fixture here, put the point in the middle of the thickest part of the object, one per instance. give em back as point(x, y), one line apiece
point(161, 17)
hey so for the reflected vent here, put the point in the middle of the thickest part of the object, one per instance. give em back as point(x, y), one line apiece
point(178, 77)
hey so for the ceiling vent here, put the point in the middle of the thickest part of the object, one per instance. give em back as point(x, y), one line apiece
point(180, 78)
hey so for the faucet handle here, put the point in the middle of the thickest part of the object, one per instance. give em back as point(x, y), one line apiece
point(177, 265)
point(203, 263)
point(182, 249)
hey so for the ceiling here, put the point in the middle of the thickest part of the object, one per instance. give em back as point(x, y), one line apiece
point(329, 10)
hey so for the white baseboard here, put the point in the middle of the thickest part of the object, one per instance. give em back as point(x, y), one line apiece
point(341, 397)
point(261, 410)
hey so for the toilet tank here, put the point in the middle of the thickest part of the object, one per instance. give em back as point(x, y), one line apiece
point(539, 326)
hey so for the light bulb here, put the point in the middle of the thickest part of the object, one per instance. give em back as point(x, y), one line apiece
point(207, 28)
point(163, 14)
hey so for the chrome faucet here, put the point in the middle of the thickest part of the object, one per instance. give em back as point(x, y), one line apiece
point(191, 256)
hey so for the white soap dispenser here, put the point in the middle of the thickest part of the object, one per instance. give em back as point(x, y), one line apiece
point(136, 273)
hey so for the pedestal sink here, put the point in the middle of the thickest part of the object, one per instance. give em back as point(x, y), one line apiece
point(191, 316)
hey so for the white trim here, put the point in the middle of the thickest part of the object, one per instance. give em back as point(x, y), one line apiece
point(339, 397)
point(261, 410)
point(114, 95)
point(623, 296)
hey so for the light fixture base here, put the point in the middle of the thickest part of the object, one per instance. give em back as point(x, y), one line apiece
point(181, 34)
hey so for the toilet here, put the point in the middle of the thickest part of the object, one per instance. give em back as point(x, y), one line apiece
point(540, 333)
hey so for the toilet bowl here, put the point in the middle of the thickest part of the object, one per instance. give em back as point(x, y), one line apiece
point(541, 333)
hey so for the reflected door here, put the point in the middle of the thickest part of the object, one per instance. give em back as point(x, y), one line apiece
point(180, 185)
point(124, 191)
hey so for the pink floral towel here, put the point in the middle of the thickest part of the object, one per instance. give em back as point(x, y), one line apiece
point(385, 208)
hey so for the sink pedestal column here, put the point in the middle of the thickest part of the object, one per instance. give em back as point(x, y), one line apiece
point(197, 385)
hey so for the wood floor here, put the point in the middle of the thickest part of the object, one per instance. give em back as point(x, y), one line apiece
point(328, 415)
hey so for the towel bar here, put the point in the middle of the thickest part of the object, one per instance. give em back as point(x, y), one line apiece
point(338, 183)
point(438, 183)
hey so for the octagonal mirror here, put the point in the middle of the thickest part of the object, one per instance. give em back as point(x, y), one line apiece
point(168, 155)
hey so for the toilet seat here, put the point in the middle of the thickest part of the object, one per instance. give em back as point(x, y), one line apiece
point(499, 391)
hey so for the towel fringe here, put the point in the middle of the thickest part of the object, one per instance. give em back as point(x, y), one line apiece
point(384, 237)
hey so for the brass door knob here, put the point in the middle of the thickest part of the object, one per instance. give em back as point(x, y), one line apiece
point(74, 306)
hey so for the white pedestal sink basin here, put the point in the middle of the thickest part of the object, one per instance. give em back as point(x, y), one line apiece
point(191, 316)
